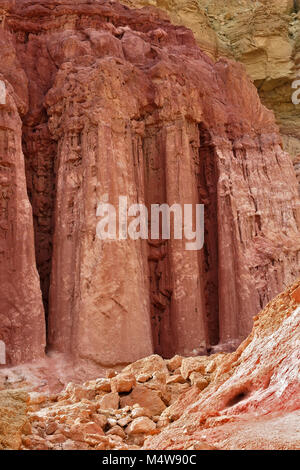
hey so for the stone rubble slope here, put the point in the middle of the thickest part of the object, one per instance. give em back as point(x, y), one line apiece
point(116, 412)
point(246, 399)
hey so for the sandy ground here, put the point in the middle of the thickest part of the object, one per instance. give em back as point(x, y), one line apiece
point(51, 374)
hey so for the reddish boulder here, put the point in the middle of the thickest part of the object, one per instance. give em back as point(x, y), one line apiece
point(146, 398)
point(296, 295)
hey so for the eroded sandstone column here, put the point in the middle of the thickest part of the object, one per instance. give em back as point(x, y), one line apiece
point(22, 325)
point(99, 302)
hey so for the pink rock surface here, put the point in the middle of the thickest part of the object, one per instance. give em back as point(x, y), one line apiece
point(253, 400)
point(125, 104)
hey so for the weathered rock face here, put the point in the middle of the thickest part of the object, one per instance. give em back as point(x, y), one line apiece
point(263, 35)
point(122, 103)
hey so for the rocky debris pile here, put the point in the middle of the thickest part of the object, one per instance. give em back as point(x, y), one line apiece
point(248, 399)
point(119, 411)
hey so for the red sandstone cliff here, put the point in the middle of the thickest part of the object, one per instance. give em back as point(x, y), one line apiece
point(123, 103)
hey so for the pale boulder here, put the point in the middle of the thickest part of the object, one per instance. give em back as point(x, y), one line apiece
point(199, 380)
point(147, 366)
point(139, 412)
point(193, 364)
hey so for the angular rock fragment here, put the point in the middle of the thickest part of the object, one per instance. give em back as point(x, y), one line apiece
point(109, 401)
point(142, 425)
point(123, 383)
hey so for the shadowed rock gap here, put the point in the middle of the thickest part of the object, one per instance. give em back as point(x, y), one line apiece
point(163, 309)
point(207, 187)
point(39, 151)
point(158, 250)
